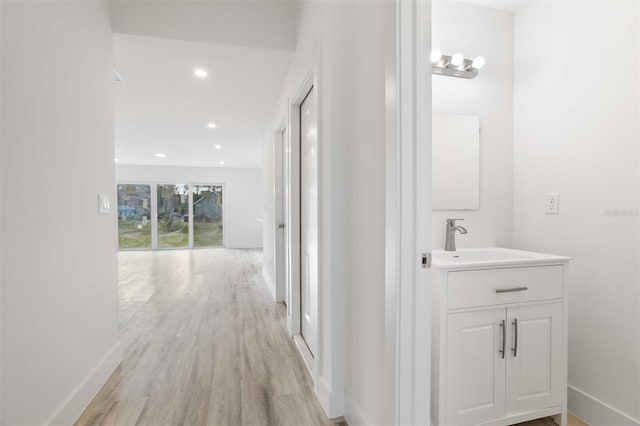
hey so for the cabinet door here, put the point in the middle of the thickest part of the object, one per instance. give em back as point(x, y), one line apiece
point(475, 367)
point(534, 361)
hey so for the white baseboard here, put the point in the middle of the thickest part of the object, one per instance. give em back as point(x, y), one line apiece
point(353, 415)
point(82, 395)
point(595, 412)
point(244, 245)
point(269, 283)
point(331, 400)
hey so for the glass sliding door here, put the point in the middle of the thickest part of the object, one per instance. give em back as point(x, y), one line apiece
point(173, 216)
point(134, 214)
point(207, 216)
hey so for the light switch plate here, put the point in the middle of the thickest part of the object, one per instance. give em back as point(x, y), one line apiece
point(552, 203)
point(104, 206)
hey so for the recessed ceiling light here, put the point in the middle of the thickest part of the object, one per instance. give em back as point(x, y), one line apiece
point(115, 160)
point(160, 155)
point(222, 163)
point(200, 73)
point(211, 125)
point(217, 146)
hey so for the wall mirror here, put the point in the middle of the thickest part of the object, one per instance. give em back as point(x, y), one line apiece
point(456, 162)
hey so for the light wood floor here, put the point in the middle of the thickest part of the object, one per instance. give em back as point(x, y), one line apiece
point(203, 345)
point(571, 421)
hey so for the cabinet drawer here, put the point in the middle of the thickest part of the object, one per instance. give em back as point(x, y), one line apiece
point(466, 289)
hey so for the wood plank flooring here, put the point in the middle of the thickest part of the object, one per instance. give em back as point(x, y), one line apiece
point(203, 345)
point(548, 421)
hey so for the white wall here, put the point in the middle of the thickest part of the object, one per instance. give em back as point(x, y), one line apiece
point(345, 40)
point(242, 198)
point(576, 132)
point(317, 47)
point(480, 31)
point(59, 301)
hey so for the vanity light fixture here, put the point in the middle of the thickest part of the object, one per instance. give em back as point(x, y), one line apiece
point(456, 65)
point(436, 55)
point(457, 59)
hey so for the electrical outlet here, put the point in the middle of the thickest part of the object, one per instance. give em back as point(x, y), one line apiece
point(552, 201)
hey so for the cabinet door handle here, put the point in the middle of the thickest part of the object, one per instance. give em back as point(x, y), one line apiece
point(515, 345)
point(504, 337)
point(511, 290)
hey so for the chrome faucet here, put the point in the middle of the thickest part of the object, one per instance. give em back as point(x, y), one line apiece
point(450, 245)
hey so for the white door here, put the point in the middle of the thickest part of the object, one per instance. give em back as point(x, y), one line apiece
point(285, 217)
point(309, 219)
point(279, 208)
point(476, 367)
point(535, 357)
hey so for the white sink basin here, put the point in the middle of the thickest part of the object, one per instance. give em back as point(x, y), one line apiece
point(489, 256)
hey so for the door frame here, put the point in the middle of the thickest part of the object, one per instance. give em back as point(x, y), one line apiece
point(408, 232)
point(293, 318)
point(280, 244)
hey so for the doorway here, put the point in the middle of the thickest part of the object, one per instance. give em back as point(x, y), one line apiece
point(309, 220)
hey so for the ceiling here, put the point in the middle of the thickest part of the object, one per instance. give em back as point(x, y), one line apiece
point(164, 108)
point(251, 23)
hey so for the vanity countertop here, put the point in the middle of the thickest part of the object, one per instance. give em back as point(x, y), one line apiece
point(484, 257)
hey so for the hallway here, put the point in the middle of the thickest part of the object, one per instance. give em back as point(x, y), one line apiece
point(203, 345)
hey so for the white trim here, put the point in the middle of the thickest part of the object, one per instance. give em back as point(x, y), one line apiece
point(242, 245)
point(79, 399)
point(269, 283)
point(353, 415)
point(310, 81)
point(408, 214)
point(596, 412)
point(279, 243)
point(331, 400)
point(305, 86)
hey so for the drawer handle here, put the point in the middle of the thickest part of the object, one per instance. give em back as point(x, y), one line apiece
point(504, 338)
point(515, 346)
point(511, 290)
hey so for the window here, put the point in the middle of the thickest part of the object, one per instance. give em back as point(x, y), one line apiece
point(207, 216)
point(134, 212)
point(171, 216)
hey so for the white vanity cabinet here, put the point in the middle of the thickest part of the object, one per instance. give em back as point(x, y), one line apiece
point(499, 339)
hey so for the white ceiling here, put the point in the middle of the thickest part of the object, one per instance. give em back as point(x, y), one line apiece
point(263, 23)
point(164, 108)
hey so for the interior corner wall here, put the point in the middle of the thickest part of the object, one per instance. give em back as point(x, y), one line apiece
point(479, 31)
point(59, 324)
point(321, 47)
point(242, 198)
point(576, 92)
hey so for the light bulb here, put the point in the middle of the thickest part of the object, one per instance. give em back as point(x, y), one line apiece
point(436, 55)
point(457, 59)
point(200, 73)
point(478, 62)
